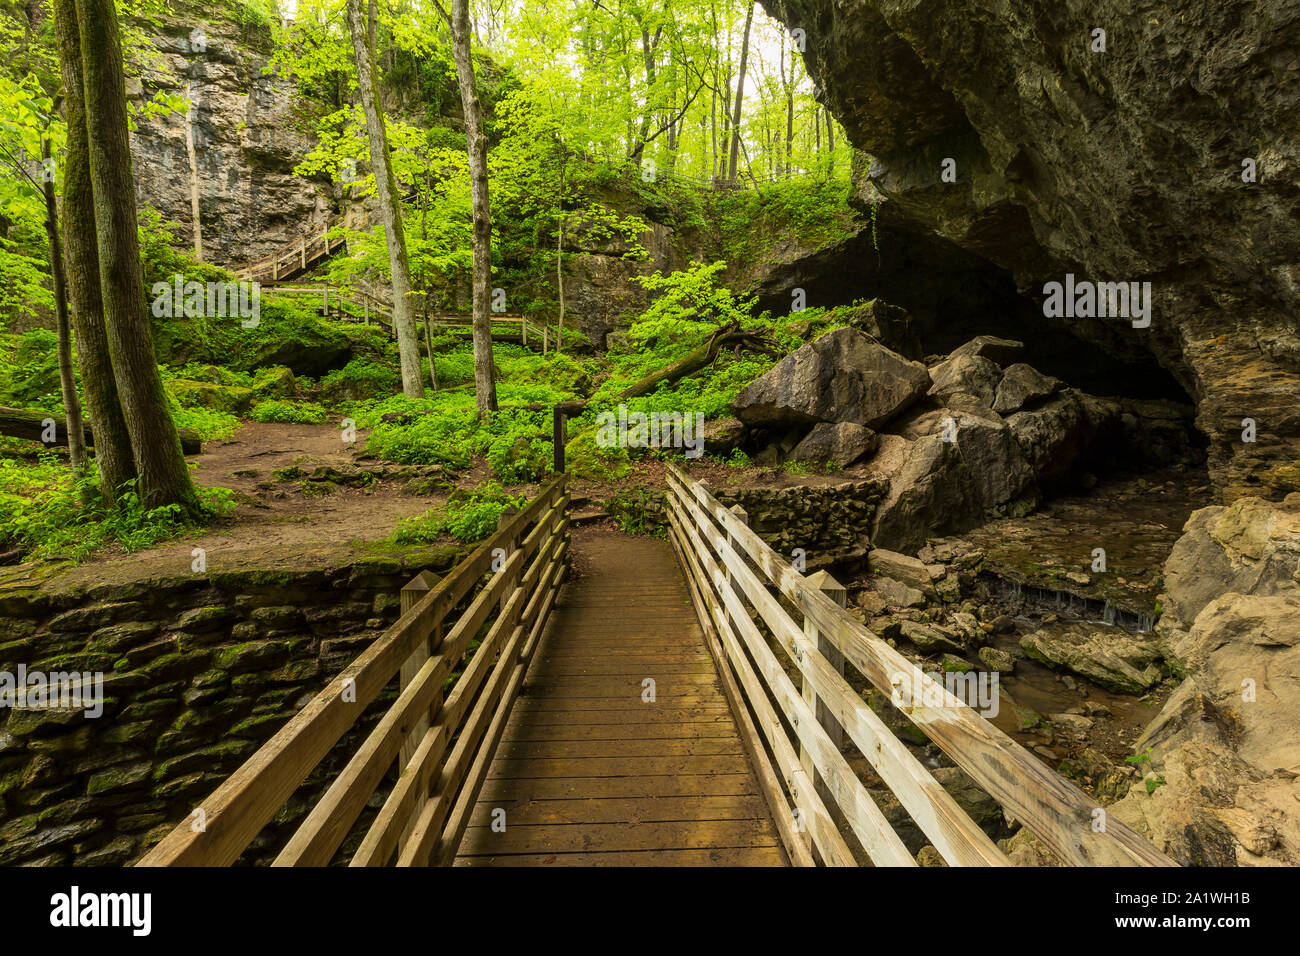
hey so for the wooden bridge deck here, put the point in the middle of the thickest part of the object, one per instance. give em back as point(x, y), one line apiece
point(589, 773)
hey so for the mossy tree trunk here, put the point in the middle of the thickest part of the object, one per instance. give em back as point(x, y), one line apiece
point(67, 380)
point(485, 389)
point(113, 456)
point(408, 342)
point(164, 478)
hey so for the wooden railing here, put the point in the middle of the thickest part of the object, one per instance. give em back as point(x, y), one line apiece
point(441, 740)
point(375, 307)
point(295, 258)
point(794, 730)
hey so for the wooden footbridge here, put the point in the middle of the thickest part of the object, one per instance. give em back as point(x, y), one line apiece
point(629, 701)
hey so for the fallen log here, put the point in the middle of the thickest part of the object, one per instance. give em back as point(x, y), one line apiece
point(21, 423)
point(726, 336)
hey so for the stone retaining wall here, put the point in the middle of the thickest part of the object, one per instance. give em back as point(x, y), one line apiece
point(829, 522)
point(199, 670)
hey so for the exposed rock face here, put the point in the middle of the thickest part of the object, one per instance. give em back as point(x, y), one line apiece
point(1064, 157)
point(246, 144)
point(1249, 547)
point(1225, 742)
point(844, 376)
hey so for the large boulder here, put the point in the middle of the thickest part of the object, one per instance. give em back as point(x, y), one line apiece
point(888, 324)
point(841, 443)
point(1248, 547)
point(1023, 385)
point(929, 493)
point(1053, 436)
point(1109, 657)
point(966, 375)
point(997, 350)
point(844, 376)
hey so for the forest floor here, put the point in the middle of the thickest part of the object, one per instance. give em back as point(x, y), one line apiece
point(275, 511)
point(272, 513)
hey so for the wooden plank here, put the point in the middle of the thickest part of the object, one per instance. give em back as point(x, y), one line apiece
point(1054, 809)
point(714, 856)
point(662, 785)
point(536, 733)
point(590, 748)
point(597, 837)
point(633, 810)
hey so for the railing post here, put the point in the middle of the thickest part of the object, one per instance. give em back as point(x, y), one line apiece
point(506, 516)
point(327, 300)
point(557, 438)
point(415, 589)
point(302, 251)
point(743, 516)
point(823, 582)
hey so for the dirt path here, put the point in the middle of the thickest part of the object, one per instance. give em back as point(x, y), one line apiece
point(283, 514)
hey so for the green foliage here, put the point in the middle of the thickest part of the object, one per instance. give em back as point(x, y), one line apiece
point(360, 379)
point(467, 516)
point(29, 372)
point(629, 506)
point(275, 410)
point(45, 511)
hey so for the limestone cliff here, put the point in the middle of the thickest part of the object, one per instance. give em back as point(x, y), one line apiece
point(246, 141)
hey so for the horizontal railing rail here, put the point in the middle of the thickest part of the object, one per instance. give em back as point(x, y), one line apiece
point(799, 728)
point(441, 740)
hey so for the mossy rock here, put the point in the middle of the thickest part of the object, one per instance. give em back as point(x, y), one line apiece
point(252, 655)
point(233, 399)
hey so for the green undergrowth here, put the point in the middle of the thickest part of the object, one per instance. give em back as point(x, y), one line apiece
point(469, 515)
point(45, 511)
point(276, 410)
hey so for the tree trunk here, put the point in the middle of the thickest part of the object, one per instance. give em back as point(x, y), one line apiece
point(408, 342)
point(695, 360)
point(164, 477)
point(192, 153)
point(485, 388)
point(67, 381)
point(740, 97)
point(113, 456)
point(559, 261)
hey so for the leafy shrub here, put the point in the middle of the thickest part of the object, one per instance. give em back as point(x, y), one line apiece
point(45, 511)
point(306, 413)
point(467, 516)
